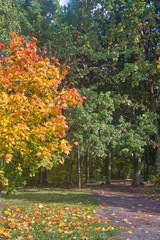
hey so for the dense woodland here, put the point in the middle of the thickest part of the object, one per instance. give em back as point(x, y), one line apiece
point(110, 50)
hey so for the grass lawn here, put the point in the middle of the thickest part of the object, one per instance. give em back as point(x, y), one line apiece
point(53, 214)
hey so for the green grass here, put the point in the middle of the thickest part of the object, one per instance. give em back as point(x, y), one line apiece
point(53, 214)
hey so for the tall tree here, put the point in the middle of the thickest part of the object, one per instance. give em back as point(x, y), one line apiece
point(117, 50)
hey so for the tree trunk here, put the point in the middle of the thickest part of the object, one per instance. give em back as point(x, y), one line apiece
point(147, 173)
point(42, 176)
point(87, 168)
point(79, 170)
point(154, 105)
point(157, 160)
point(108, 178)
point(70, 172)
point(137, 172)
point(69, 169)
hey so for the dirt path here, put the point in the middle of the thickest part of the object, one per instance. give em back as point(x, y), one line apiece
point(132, 211)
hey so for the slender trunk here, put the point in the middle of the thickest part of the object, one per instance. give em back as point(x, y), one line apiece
point(147, 164)
point(42, 176)
point(137, 172)
point(79, 170)
point(50, 52)
point(88, 174)
point(108, 178)
point(157, 159)
point(70, 172)
point(87, 168)
point(153, 106)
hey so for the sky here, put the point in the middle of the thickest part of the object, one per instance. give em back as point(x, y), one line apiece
point(62, 2)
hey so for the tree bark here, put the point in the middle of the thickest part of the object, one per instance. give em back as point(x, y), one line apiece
point(108, 178)
point(87, 168)
point(153, 106)
point(157, 158)
point(147, 165)
point(70, 173)
point(79, 170)
point(137, 172)
point(42, 176)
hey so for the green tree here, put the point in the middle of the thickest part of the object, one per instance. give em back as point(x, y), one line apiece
point(91, 126)
point(9, 19)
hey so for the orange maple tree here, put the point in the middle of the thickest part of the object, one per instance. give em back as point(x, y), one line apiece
point(32, 99)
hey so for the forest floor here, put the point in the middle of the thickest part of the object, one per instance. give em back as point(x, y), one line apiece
point(130, 209)
point(97, 212)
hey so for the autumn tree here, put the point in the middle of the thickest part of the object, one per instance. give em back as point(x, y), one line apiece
point(32, 125)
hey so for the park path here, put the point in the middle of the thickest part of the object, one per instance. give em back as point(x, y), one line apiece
point(130, 210)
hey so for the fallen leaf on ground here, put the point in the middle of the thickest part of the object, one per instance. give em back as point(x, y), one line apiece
point(2, 230)
point(110, 228)
point(125, 220)
point(29, 237)
point(5, 235)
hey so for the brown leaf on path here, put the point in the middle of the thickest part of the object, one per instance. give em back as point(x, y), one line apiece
point(130, 231)
point(125, 220)
point(113, 214)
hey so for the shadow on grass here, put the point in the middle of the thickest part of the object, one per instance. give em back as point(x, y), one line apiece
point(52, 196)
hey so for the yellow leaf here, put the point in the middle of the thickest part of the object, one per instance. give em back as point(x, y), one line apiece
point(38, 154)
point(110, 228)
point(130, 231)
point(2, 230)
point(40, 205)
point(62, 160)
point(61, 224)
point(29, 237)
point(68, 232)
point(6, 212)
point(97, 228)
point(65, 147)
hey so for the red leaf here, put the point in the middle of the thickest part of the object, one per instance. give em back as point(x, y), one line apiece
point(2, 47)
